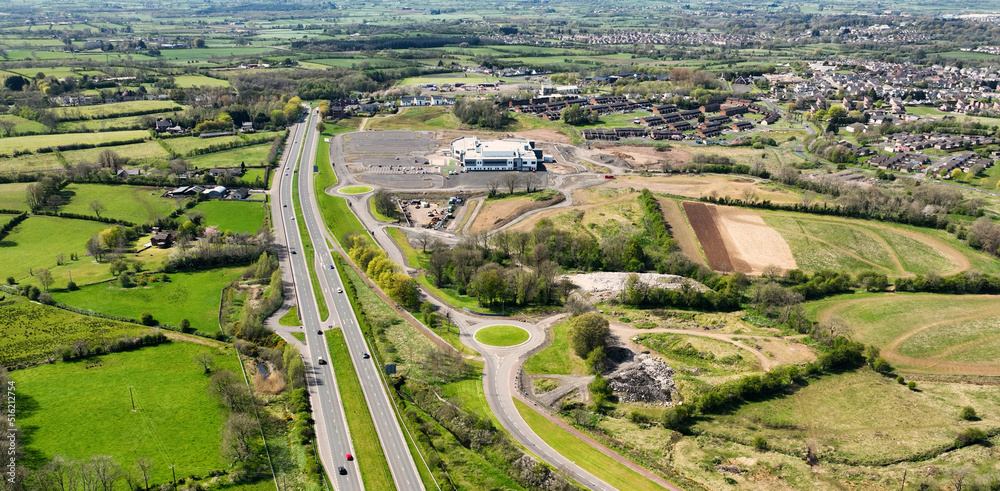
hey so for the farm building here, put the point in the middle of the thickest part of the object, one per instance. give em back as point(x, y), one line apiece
point(476, 154)
point(216, 192)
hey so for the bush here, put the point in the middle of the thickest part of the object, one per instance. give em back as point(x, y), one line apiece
point(760, 443)
point(185, 325)
point(970, 436)
point(911, 385)
point(147, 319)
point(900, 380)
point(71, 286)
point(11, 280)
point(968, 413)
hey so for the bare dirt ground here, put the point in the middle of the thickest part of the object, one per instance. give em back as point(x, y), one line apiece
point(681, 230)
point(755, 243)
point(709, 235)
point(784, 352)
point(544, 134)
point(694, 186)
point(646, 157)
point(495, 214)
point(735, 239)
point(583, 200)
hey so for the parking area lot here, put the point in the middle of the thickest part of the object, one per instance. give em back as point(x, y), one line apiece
point(396, 159)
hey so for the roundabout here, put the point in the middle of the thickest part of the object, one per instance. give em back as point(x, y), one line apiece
point(502, 336)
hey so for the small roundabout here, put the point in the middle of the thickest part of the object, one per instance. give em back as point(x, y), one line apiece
point(502, 336)
point(355, 190)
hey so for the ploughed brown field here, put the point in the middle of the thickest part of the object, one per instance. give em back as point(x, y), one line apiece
point(735, 239)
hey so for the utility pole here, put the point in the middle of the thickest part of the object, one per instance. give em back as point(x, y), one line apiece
point(132, 397)
point(172, 471)
point(902, 486)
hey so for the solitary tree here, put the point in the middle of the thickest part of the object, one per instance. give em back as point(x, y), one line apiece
point(44, 278)
point(7, 126)
point(493, 185)
point(205, 360)
point(97, 207)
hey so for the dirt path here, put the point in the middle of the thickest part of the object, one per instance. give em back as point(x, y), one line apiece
point(681, 231)
point(626, 333)
point(176, 336)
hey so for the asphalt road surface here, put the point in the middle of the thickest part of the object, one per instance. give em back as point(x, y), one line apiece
point(332, 436)
point(401, 464)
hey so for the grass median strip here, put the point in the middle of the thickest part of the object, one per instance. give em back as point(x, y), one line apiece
point(324, 312)
point(366, 447)
point(587, 457)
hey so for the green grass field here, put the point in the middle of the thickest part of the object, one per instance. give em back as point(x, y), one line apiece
point(108, 124)
point(12, 196)
point(187, 145)
point(30, 331)
point(557, 358)
point(416, 118)
point(199, 81)
point(251, 155)
point(584, 455)
point(855, 245)
point(115, 109)
point(33, 245)
point(50, 162)
point(193, 296)
point(859, 418)
point(924, 332)
point(238, 216)
point(370, 457)
point(502, 336)
point(356, 189)
point(177, 423)
point(136, 204)
point(449, 78)
point(24, 125)
point(34, 142)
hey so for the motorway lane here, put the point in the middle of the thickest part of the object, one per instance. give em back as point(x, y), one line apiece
point(332, 434)
point(401, 464)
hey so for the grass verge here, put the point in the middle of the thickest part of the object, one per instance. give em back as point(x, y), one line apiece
point(291, 318)
point(370, 457)
point(557, 358)
point(590, 459)
point(337, 216)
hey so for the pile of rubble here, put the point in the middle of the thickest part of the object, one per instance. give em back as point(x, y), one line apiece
point(645, 379)
point(602, 286)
